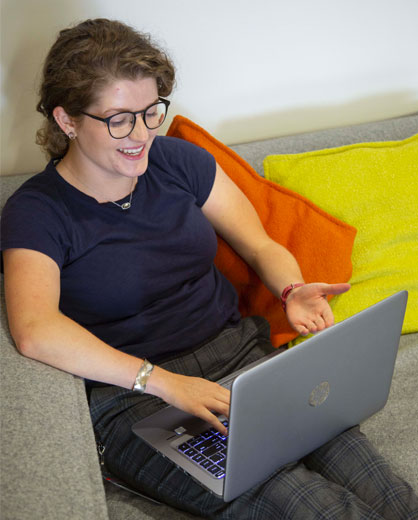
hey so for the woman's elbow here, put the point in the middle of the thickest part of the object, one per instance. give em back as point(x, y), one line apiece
point(25, 345)
point(26, 340)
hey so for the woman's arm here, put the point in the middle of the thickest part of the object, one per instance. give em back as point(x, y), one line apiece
point(235, 219)
point(42, 332)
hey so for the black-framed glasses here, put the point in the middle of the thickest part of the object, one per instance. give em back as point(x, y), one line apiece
point(120, 125)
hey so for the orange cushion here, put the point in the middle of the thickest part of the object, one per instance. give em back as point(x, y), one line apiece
point(321, 243)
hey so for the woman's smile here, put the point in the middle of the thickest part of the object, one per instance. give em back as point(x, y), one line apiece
point(133, 153)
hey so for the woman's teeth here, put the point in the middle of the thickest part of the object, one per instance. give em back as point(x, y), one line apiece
point(131, 151)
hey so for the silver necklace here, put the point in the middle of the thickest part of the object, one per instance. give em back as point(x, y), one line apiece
point(125, 205)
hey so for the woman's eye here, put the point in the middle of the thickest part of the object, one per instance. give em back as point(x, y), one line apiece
point(120, 120)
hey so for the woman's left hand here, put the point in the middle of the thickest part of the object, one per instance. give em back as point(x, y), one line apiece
point(307, 308)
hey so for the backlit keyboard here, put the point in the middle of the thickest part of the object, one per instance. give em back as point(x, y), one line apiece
point(207, 450)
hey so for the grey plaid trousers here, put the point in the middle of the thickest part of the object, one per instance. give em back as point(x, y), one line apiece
point(344, 479)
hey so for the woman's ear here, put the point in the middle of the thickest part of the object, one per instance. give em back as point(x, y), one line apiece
point(65, 122)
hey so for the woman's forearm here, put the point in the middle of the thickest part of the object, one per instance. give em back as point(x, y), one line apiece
point(276, 266)
point(236, 221)
point(60, 342)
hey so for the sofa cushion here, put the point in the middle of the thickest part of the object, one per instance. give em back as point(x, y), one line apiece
point(321, 243)
point(373, 187)
point(48, 456)
point(393, 129)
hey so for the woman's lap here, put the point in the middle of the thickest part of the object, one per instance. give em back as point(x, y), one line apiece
point(352, 462)
point(334, 482)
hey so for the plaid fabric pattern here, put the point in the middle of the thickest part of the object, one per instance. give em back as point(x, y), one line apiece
point(344, 479)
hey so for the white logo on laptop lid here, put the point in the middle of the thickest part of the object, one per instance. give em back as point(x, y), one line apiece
point(319, 394)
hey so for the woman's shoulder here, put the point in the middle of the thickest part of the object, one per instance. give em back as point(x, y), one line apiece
point(39, 197)
point(177, 155)
point(179, 162)
point(41, 186)
point(176, 149)
point(35, 218)
point(168, 143)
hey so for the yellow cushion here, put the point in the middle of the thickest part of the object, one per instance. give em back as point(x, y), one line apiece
point(373, 187)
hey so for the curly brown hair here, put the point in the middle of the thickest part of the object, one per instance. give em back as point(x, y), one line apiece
point(83, 60)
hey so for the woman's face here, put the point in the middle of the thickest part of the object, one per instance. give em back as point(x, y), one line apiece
point(95, 147)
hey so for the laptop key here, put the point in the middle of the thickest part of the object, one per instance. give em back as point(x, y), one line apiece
point(222, 463)
point(206, 463)
point(206, 444)
point(195, 441)
point(190, 452)
point(216, 458)
point(199, 458)
point(214, 469)
point(212, 449)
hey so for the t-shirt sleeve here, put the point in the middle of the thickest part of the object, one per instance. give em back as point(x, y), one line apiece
point(193, 166)
point(30, 221)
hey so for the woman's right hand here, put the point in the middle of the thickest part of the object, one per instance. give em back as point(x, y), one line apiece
point(193, 395)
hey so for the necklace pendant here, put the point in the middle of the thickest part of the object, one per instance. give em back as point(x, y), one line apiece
point(126, 205)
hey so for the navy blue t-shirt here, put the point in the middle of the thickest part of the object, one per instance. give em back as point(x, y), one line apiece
point(142, 280)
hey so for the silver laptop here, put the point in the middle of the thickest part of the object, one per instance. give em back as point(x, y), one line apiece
point(287, 405)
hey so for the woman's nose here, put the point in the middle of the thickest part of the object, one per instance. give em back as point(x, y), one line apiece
point(140, 131)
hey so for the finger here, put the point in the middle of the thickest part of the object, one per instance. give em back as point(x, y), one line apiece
point(328, 317)
point(218, 407)
point(336, 288)
point(300, 329)
point(224, 395)
point(209, 417)
point(311, 326)
point(219, 402)
point(320, 323)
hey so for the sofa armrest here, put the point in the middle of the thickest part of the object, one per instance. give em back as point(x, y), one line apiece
point(49, 461)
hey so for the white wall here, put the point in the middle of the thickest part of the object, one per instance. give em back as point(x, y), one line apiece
point(246, 69)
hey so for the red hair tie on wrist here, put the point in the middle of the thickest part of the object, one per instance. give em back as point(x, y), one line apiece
point(286, 291)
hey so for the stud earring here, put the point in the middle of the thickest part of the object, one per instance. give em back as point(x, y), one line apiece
point(71, 135)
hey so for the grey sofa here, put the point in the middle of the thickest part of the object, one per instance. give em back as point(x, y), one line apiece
point(49, 462)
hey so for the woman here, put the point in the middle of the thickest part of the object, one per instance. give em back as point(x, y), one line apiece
point(109, 275)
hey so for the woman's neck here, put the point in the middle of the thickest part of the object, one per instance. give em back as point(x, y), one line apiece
point(102, 187)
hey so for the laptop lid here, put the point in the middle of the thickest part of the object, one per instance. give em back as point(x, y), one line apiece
point(290, 404)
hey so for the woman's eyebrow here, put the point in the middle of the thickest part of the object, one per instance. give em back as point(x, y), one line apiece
point(117, 110)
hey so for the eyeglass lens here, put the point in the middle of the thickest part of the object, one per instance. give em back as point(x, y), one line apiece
point(121, 125)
